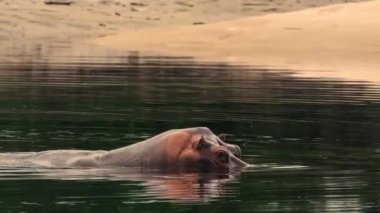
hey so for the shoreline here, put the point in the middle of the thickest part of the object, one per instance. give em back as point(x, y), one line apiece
point(336, 41)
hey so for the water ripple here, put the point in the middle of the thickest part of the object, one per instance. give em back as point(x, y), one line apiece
point(313, 141)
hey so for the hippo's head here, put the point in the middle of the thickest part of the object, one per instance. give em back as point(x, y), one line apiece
point(198, 149)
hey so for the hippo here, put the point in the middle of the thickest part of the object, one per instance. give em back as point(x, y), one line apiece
point(191, 149)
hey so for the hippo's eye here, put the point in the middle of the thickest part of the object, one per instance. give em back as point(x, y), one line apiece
point(222, 156)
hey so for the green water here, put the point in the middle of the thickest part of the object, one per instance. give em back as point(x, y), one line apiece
point(314, 142)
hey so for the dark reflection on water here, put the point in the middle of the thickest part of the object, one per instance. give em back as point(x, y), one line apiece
point(315, 142)
point(186, 187)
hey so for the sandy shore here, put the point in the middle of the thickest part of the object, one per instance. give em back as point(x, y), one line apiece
point(34, 20)
point(341, 41)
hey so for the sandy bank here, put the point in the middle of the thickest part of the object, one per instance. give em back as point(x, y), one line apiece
point(33, 28)
point(334, 41)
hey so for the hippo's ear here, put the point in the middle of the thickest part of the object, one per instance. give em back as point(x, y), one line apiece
point(223, 137)
point(199, 143)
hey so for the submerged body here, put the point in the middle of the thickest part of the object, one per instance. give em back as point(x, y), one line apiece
point(192, 149)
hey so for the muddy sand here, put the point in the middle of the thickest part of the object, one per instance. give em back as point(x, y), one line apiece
point(337, 41)
point(340, 40)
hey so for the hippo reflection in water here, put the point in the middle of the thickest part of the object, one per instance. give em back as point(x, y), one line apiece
point(183, 150)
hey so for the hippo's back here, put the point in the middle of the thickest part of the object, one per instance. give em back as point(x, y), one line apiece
point(52, 158)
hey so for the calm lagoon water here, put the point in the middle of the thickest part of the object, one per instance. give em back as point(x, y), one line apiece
point(314, 142)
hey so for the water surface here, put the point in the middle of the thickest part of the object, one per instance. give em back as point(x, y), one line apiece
point(314, 142)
